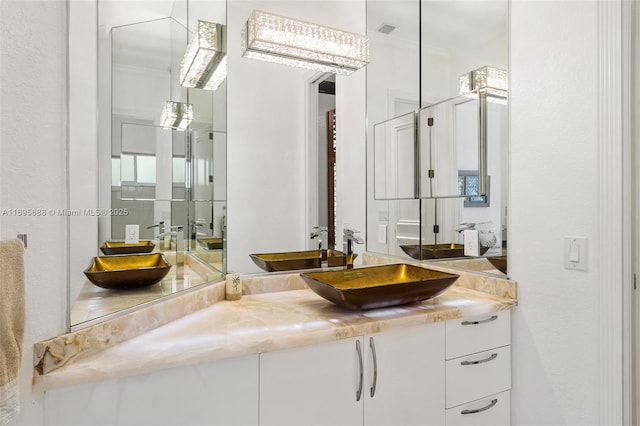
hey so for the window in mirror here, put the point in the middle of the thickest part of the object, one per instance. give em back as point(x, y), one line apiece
point(468, 183)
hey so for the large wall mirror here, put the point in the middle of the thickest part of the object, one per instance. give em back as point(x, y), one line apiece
point(439, 43)
point(161, 149)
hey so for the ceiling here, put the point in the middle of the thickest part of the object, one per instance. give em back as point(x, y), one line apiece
point(454, 25)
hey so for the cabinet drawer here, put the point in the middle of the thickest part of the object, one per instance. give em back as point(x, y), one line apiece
point(494, 410)
point(470, 335)
point(476, 376)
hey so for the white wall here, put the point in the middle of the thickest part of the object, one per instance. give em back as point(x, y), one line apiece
point(33, 132)
point(266, 137)
point(553, 193)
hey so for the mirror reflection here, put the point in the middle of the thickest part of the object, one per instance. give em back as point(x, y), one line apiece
point(449, 41)
point(162, 149)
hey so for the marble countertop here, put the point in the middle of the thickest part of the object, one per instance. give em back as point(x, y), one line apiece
point(276, 312)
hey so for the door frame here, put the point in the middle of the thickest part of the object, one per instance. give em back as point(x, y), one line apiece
point(615, 212)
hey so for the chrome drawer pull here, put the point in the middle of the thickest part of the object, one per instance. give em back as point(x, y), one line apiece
point(491, 357)
point(491, 404)
point(375, 367)
point(359, 391)
point(491, 318)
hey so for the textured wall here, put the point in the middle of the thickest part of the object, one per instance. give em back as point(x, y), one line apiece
point(553, 64)
point(33, 131)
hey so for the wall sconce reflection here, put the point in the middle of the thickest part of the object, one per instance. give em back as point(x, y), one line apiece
point(204, 65)
point(176, 115)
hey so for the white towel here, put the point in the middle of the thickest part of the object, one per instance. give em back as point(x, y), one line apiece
point(11, 326)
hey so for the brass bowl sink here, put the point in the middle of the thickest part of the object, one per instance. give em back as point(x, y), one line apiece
point(437, 251)
point(378, 286)
point(294, 260)
point(212, 243)
point(127, 270)
point(120, 247)
point(499, 262)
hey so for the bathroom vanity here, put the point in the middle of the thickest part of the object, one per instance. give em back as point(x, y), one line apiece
point(283, 355)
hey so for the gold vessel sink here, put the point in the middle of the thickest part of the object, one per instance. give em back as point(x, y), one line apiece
point(120, 247)
point(437, 251)
point(499, 262)
point(212, 243)
point(127, 270)
point(294, 260)
point(378, 286)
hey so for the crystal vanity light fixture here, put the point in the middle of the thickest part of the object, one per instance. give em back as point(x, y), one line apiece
point(204, 65)
point(287, 41)
point(176, 115)
point(489, 79)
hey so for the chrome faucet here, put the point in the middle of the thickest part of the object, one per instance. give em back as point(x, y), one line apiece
point(348, 239)
point(317, 233)
point(159, 225)
point(178, 232)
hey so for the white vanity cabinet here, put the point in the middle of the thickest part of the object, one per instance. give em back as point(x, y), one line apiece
point(478, 370)
point(217, 393)
point(388, 378)
point(312, 385)
point(404, 376)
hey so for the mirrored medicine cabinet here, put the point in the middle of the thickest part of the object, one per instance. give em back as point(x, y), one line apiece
point(437, 157)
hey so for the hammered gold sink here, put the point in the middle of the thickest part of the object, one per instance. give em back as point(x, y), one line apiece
point(120, 247)
point(127, 270)
point(294, 260)
point(212, 243)
point(378, 286)
point(437, 251)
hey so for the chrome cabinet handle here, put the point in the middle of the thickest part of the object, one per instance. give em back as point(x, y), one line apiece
point(359, 391)
point(479, 410)
point(491, 318)
point(491, 357)
point(375, 367)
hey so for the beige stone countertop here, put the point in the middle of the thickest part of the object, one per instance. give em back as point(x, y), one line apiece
point(262, 322)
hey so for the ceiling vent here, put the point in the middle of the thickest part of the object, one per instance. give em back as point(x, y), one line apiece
point(386, 28)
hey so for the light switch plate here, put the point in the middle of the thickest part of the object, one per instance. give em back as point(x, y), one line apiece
point(575, 253)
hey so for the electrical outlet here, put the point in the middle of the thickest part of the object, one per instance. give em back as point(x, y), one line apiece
point(132, 234)
point(471, 242)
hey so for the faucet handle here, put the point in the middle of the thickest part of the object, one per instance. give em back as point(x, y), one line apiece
point(156, 225)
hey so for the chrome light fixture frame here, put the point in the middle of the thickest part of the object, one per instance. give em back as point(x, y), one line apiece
point(176, 115)
point(204, 65)
point(275, 38)
point(491, 80)
point(491, 85)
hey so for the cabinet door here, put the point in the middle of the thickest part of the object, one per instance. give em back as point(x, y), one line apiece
point(312, 385)
point(218, 393)
point(405, 377)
